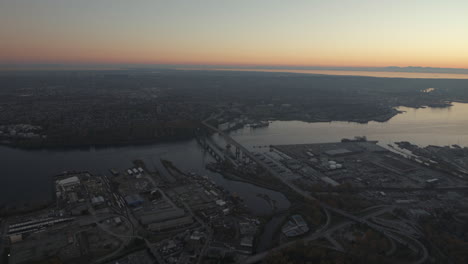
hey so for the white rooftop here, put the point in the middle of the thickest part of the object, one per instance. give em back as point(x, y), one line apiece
point(70, 180)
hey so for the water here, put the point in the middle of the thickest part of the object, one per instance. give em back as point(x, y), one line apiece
point(380, 74)
point(265, 241)
point(25, 175)
point(424, 126)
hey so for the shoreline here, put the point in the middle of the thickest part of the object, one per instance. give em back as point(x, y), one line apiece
point(95, 146)
point(86, 146)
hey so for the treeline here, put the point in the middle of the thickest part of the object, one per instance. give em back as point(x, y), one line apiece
point(123, 134)
point(447, 237)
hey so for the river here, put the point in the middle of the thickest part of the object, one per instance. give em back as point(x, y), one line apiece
point(423, 126)
point(25, 174)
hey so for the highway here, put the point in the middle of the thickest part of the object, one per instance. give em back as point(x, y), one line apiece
point(322, 232)
point(231, 141)
point(390, 233)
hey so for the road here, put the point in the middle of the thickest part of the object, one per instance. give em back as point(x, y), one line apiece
point(3, 237)
point(125, 239)
point(322, 232)
point(231, 141)
point(205, 227)
point(388, 232)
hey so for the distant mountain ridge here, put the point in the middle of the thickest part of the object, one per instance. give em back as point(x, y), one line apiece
point(371, 69)
point(87, 66)
point(426, 69)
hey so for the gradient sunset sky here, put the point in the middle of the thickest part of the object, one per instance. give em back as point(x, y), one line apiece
point(430, 33)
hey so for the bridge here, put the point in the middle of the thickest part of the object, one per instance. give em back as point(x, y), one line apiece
point(212, 149)
point(240, 151)
point(410, 241)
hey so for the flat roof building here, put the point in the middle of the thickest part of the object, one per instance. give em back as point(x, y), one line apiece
point(295, 227)
point(161, 215)
point(338, 152)
point(134, 200)
point(186, 220)
point(69, 181)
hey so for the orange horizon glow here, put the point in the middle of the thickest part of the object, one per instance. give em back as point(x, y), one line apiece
point(130, 57)
point(231, 63)
point(358, 33)
point(232, 59)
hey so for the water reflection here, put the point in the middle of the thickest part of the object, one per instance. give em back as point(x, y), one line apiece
point(419, 75)
point(26, 174)
point(423, 126)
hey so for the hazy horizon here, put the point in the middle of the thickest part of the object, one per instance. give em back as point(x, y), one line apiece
point(359, 33)
point(390, 71)
point(234, 66)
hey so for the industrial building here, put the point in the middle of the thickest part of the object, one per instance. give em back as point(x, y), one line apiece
point(154, 216)
point(296, 226)
point(68, 182)
point(134, 200)
point(173, 223)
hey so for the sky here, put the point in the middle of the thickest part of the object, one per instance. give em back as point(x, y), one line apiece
point(352, 33)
